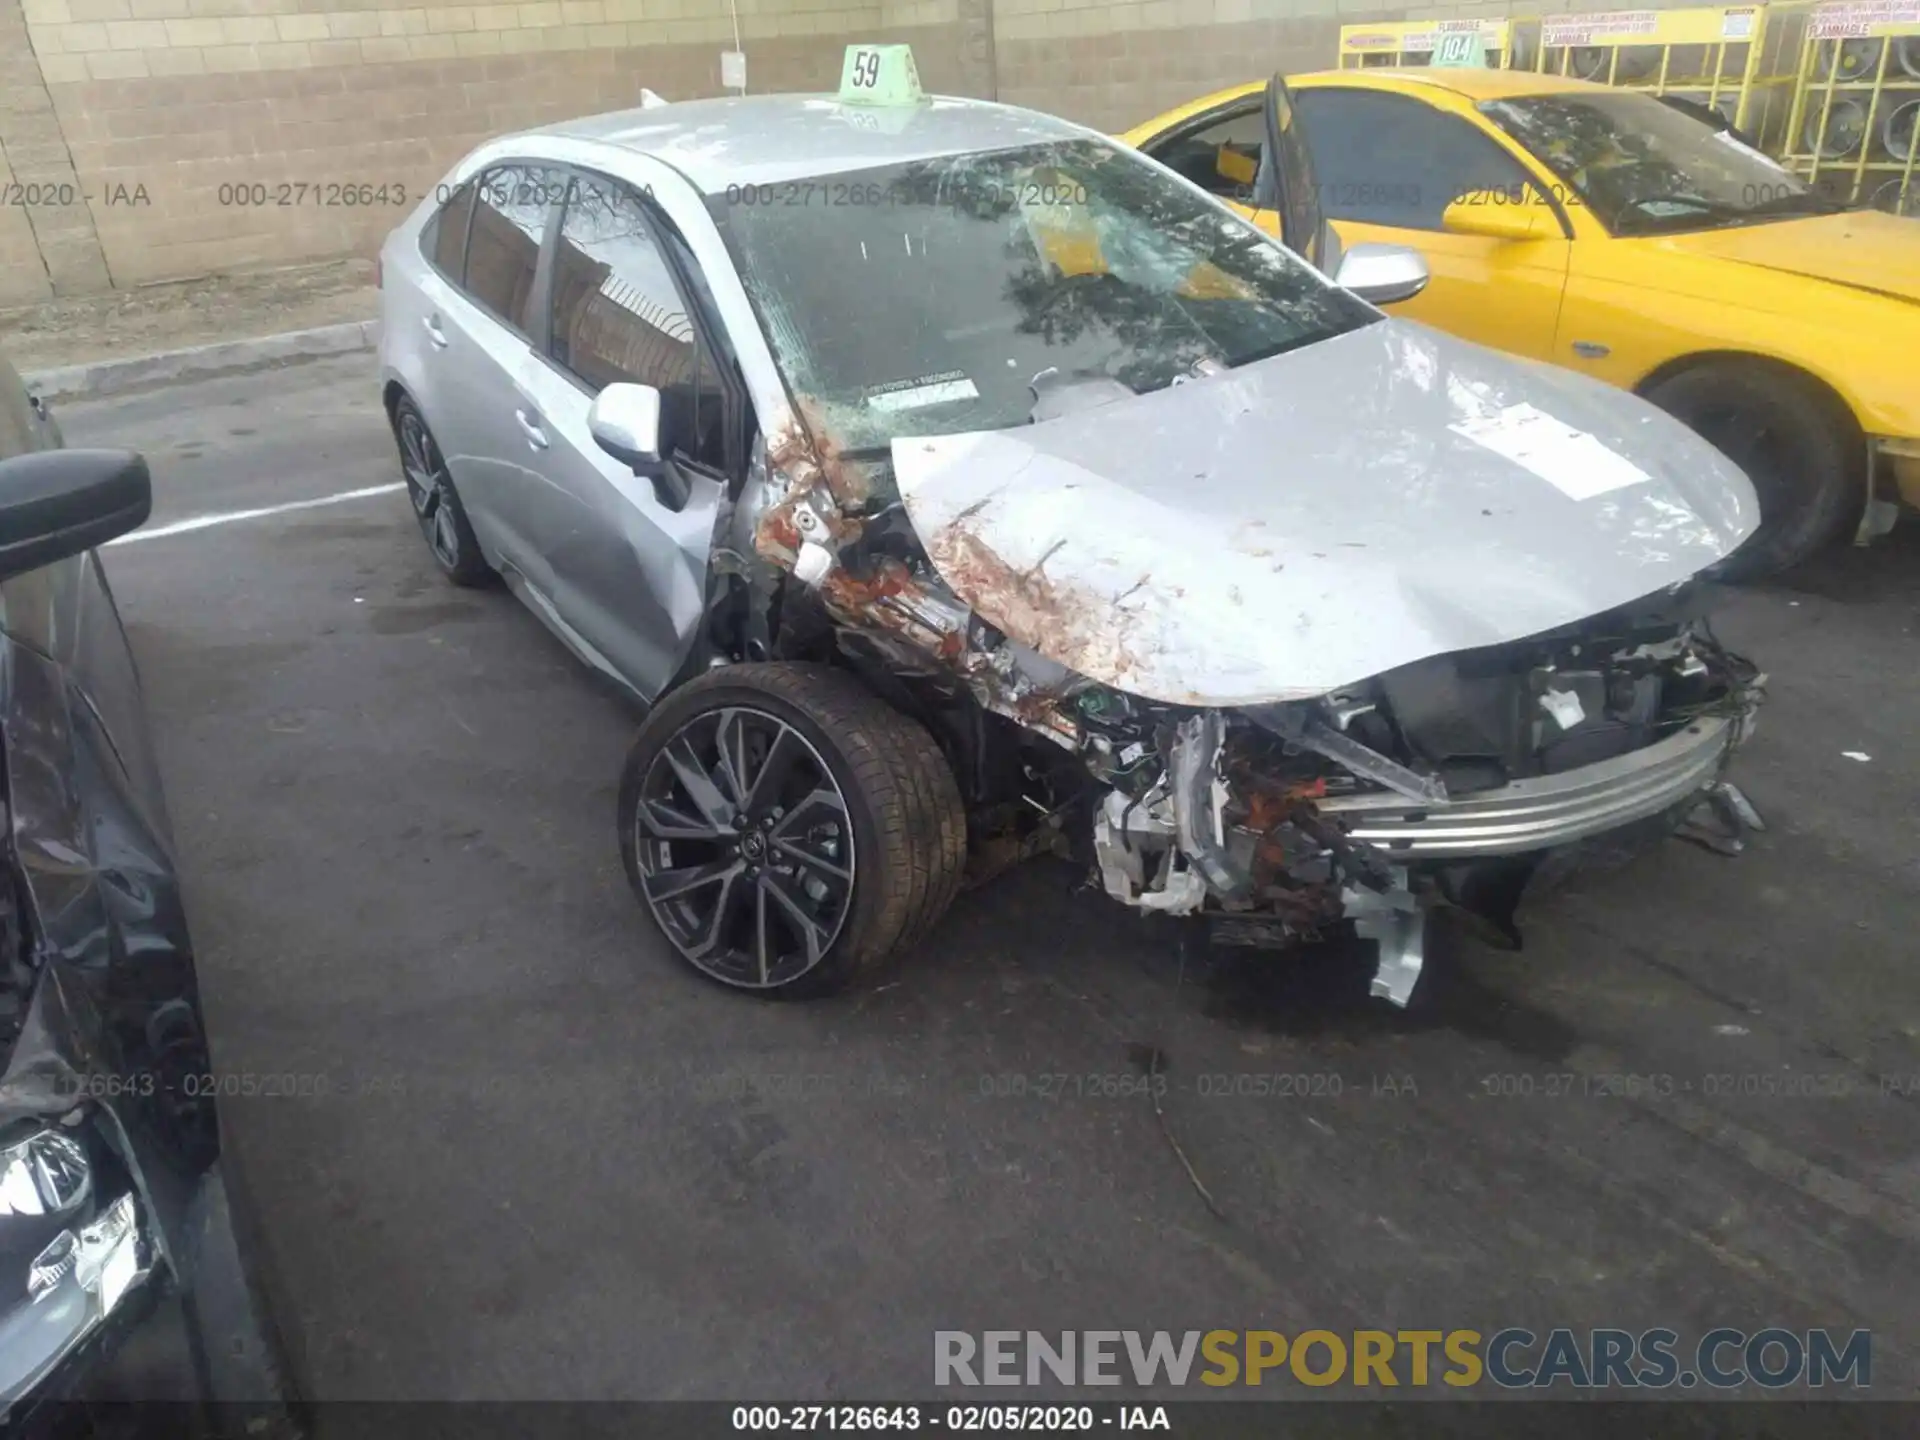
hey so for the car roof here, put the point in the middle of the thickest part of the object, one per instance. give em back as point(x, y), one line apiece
point(762, 139)
point(1412, 79)
point(1462, 81)
point(1472, 83)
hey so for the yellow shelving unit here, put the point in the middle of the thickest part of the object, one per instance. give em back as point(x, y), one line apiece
point(1412, 42)
point(1855, 127)
point(1739, 59)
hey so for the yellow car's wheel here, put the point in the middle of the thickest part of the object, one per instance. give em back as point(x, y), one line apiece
point(1798, 446)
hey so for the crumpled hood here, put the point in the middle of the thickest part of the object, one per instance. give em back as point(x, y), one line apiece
point(1864, 249)
point(1315, 519)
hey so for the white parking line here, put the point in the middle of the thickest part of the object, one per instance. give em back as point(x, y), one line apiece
point(203, 522)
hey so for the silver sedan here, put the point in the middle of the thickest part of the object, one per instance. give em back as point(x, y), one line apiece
point(954, 484)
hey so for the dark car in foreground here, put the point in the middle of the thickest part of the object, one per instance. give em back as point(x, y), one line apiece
point(125, 1307)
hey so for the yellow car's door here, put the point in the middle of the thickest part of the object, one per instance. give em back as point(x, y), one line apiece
point(1389, 167)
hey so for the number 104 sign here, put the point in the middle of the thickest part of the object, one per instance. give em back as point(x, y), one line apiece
point(1459, 49)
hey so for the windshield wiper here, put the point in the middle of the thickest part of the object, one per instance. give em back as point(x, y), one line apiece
point(1805, 203)
point(1299, 342)
point(1634, 219)
point(1696, 204)
point(1715, 212)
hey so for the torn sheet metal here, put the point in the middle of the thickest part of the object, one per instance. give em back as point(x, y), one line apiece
point(1134, 843)
point(815, 495)
point(1200, 801)
point(1309, 521)
point(1395, 921)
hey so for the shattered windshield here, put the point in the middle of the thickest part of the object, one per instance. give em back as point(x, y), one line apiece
point(938, 296)
point(1644, 168)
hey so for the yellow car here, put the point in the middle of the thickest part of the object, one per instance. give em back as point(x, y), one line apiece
point(1602, 230)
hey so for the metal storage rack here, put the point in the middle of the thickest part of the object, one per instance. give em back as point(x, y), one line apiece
point(1412, 42)
point(1739, 59)
point(1855, 127)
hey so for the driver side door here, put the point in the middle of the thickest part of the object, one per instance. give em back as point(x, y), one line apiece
point(1219, 150)
point(1227, 151)
point(1389, 166)
point(626, 298)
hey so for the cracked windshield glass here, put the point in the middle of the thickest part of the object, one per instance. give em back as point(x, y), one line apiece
point(979, 292)
point(1644, 168)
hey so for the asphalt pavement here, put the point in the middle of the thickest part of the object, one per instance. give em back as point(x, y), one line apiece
point(505, 1146)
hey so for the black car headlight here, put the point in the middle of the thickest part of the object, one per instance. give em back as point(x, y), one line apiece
point(69, 1256)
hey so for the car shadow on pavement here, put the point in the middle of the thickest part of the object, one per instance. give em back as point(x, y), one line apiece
point(1860, 575)
point(1041, 923)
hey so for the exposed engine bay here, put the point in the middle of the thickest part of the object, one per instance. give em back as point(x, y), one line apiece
point(1442, 782)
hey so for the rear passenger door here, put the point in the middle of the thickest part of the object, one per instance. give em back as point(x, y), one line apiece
point(626, 305)
point(486, 336)
point(1388, 167)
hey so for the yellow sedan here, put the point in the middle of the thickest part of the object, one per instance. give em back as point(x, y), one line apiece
point(1602, 230)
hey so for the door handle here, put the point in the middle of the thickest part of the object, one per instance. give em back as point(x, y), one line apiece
point(434, 332)
point(530, 427)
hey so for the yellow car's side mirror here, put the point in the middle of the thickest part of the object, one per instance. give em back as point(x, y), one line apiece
point(1502, 215)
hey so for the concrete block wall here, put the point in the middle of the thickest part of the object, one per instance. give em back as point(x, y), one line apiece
point(1115, 63)
point(197, 137)
point(147, 140)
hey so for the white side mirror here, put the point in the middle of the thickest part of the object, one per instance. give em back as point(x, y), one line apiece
point(625, 422)
point(1383, 274)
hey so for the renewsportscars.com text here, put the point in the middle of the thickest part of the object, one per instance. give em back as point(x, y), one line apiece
point(1599, 1359)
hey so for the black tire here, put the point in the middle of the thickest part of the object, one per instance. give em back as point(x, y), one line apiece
point(908, 827)
point(1802, 451)
point(436, 504)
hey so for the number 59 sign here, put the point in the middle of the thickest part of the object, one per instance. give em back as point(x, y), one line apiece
point(880, 75)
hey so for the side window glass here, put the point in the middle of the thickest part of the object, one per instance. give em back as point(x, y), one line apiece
point(444, 238)
point(510, 212)
point(618, 316)
point(1386, 160)
point(710, 399)
point(1221, 158)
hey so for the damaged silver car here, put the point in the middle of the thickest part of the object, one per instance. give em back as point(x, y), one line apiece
point(953, 484)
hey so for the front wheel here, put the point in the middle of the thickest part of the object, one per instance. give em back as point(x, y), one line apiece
point(787, 830)
point(1802, 452)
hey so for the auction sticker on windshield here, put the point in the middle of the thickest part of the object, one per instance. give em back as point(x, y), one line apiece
point(925, 390)
point(1572, 461)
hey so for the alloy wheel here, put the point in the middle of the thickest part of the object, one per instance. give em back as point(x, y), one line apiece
point(429, 488)
point(745, 847)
